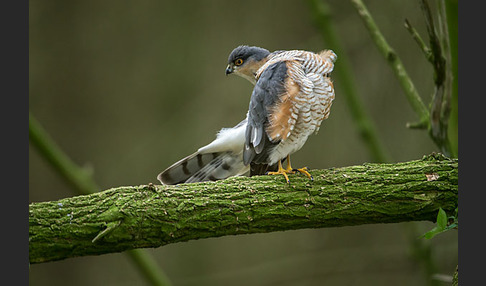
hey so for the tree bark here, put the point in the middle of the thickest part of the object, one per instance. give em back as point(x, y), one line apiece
point(145, 216)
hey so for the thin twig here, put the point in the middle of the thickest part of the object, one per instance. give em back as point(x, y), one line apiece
point(415, 35)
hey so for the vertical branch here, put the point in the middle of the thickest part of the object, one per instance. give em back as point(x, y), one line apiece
point(441, 62)
point(451, 15)
point(366, 129)
point(82, 182)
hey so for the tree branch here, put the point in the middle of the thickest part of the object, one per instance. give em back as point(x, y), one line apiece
point(441, 61)
point(131, 217)
point(396, 64)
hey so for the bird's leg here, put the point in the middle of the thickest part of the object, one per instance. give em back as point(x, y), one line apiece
point(289, 170)
point(303, 170)
point(281, 171)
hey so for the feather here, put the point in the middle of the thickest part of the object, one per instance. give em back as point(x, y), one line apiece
point(220, 159)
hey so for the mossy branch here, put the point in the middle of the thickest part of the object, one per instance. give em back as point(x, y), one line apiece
point(145, 216)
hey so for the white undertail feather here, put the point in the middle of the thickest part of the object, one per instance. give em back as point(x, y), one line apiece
point(228, 139)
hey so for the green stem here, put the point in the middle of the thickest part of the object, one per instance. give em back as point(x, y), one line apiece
point(366, 129)
point(146, 264)
point(82, 182)
point(77, 177)
point(395, 63)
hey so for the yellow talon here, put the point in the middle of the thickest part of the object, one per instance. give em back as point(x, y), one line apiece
point(282, 171)
point(305, 172)
point(289, 170)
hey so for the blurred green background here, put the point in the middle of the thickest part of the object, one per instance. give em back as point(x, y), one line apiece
point(129, 87)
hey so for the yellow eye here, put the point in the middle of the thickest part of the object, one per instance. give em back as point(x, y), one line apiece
point(238, 62)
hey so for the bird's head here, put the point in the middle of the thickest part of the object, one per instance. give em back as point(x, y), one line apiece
point(245, 61)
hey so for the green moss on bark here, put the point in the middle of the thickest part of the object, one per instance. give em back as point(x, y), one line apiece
point(132, 217)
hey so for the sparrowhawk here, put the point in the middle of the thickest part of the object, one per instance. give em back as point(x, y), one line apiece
point(293, 93)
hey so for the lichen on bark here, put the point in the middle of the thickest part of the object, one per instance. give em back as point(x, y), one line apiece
point(145, 216)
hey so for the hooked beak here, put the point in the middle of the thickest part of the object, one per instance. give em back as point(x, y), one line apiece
point(229, 70)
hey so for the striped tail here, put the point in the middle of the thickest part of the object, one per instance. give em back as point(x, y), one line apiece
point(200, 167)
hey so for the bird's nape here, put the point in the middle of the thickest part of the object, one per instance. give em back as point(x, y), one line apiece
point(244, 52)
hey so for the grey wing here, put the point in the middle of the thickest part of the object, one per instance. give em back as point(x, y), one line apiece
point(266, 94)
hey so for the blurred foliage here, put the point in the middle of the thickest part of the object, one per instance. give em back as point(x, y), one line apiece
point(81, 182)
point(127, 88)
